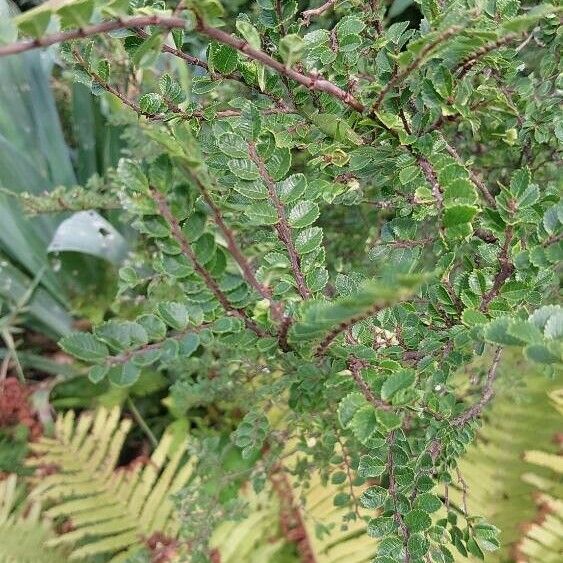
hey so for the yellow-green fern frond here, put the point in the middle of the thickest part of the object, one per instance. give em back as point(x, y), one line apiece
point(494, 466)
point(110, 510)
point(285, 513)
point(543, 536)
point(23, 532)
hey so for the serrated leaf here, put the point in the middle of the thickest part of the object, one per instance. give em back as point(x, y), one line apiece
point(233, 145)
point(397, 381)
point(292, 188)
point(261, 213)
point(174, 314)
point(374, 497)
point(417, 521)
point(84, 346)
point(303, 214)
point(459, 214)
point(308, 240)
point(243, 169)
point(222, 58)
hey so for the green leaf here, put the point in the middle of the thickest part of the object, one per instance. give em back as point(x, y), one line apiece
point(233, 145)
point(381, 527)
point(173, 314)
point(459, 214)
point(154, 327)
point(497, 332)
point(417, 521)
point(222, 58)
point(292, 188)
point(84, 346)
point(428, 502)
point(250, 122)
point(261, 213)
point(77, 14)
point(370, 467)
point(308, 240)
point(243, 169)
point(249, 32)
point(291, 47)
point(97, 373)
point(34, 22)
point(374, 497)
point(124, 376)
point(348, 407)
point(120, 335)
point(397, 381)
point(303, 214)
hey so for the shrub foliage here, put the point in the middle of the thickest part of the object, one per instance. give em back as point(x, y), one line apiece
point(337, 211)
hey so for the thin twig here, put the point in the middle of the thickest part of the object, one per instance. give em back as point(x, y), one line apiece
point(315, 12)
point(187, 250)
point(355, 366)
point(505, 271)
point(89, 30)
point(282, 226)
point(486, 394)
point(141, 422)
point(468, 62)
point(400, 76)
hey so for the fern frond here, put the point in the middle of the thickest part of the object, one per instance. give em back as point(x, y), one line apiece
point(110, 510)
point(23, 533)
point(543, 536)
point(499, 482)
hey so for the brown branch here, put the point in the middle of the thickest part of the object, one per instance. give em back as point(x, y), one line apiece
point(393, 494)
point(236, 253)
point(355, 366)
point(417, 61)
point(108, 87)
point(282, 226)
point(187, 251)
point(311, 81)
point(468, 62)
point(505, 271)
point(343, 327)
point(315, 12)
point(89, 30)
point(486, 394)
point(432, 179)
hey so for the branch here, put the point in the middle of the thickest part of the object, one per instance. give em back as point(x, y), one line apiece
point(355, 366)
point(506, 270)
point(393, 494)
point(486, 395)
point(282, 226)
point(311, 81)
point(240, 259)
point(430, 175)
point(187, 251)
point(89, 30)
point(315, 12)
point(399, 77)
point(468, 62)
point(343, 327)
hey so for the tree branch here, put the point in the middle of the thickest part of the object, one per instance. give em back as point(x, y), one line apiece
point(468, 62)
point(282, 226)
point(505, 271)
point(355, 366)
point(343, 327)
point(178, 235)
point(313, 82)
point(400, 76)
point(89, 30)
point(315, 12)
point(486, 395)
